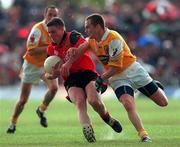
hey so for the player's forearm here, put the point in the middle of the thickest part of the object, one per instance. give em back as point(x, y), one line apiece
point(37, 51)
point(111, 72)
point(74, 53)
point(81, 50)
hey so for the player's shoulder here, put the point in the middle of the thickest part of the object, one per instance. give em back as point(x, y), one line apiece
point(38, 28)
point(115, 35)
point(75, 36)
point(38, 24)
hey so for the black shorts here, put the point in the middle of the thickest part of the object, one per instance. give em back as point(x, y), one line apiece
point(124, 90)
point(147, 90)
point(80, 79)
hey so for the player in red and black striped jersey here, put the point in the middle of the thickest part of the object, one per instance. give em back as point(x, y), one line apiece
point(80, 79)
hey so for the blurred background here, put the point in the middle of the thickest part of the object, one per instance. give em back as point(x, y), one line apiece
point(151, 29)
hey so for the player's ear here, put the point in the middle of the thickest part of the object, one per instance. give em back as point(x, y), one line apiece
point(98, 26)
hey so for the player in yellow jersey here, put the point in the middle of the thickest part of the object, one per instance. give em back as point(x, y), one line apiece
point(123, 73)
point(32, 69)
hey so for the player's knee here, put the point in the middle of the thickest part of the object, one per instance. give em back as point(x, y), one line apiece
point(93, 102)
point(128, 105)
point(164, 103)
point(80, 103)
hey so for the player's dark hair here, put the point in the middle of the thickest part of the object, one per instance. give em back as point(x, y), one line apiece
point(96, 19)
point(56, 21)
point(50, 7)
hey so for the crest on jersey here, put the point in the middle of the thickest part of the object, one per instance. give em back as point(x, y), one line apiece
point(116, 47)
point(32, 38)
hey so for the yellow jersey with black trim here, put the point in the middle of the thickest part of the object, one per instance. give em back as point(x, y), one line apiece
point(38, 37)
point(112, 50)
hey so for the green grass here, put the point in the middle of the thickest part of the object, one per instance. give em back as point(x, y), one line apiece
point(163, 125)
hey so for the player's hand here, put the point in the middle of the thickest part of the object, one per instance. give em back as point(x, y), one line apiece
point(56, 72)
point(101, 86)
point(49, 76)
point(71, 52)
point(64, 70)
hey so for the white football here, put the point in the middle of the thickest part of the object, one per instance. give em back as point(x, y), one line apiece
point(51, 62)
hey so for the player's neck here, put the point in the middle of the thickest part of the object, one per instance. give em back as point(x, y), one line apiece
point(99, 36)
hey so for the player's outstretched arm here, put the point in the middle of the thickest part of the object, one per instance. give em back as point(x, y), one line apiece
point(109, 73)
point(72, 55)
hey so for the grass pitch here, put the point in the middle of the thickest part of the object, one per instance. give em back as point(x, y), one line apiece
point(64, 130)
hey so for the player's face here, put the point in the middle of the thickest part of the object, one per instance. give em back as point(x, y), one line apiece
point(90, 29)
point(51, 12)
point(56, 33)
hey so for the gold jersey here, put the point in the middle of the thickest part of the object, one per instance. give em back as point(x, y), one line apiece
point(38, 37)
point(112, 50)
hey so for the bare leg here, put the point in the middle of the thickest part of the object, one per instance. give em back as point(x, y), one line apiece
point(160, 98)
point(50, 94)
point(97, 104)
point(25, 92)
point(78, 97)
point(94, 99)
point(129, 104)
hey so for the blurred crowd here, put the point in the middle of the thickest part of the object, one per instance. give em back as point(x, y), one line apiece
point(151, 28)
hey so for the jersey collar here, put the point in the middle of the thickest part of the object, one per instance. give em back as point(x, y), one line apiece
point(105, 34)
point(44, 25)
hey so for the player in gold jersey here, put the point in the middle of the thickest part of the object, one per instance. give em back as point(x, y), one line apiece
point(123, 73)
point(33, 71)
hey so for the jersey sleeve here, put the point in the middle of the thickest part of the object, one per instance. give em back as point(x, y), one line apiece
point(33, 38)
point(115, 52)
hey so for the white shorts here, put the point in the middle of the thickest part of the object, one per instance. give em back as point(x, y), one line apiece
point(31, 73)
point(135, 76)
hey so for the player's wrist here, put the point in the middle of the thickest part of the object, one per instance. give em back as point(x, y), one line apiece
point(101, 86)
point(104, 78)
